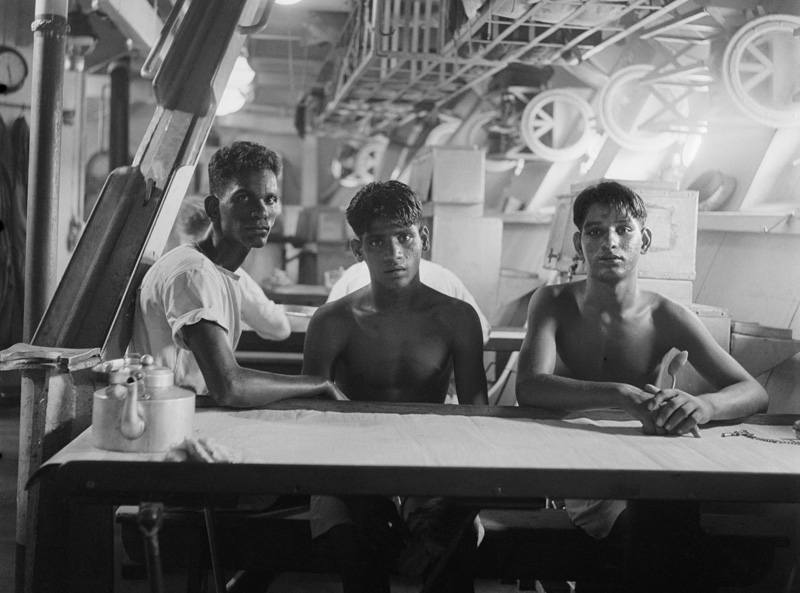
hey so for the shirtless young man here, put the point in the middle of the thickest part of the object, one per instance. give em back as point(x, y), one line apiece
point(394, 340)
point(597, 343)
point(191, 302)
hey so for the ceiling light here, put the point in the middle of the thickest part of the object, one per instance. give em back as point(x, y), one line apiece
point(232, 100)
point(286, 2)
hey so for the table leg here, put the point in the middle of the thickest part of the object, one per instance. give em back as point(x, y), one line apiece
point(149, 520)
point(211, 528)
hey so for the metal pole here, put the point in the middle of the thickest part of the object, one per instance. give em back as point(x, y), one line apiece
point(118, 154)
point(49, 44)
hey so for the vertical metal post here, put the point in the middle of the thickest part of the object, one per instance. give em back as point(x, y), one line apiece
point(49, 45)
point(118, 145)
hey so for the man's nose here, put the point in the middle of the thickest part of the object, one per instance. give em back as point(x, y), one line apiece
point(612, 238)
point(261, 210)
point(393, 249)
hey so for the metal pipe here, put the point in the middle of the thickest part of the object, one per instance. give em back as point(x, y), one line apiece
point(49, 47)
point(118, 144)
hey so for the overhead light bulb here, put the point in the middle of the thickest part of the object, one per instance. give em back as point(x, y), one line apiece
point(242, 73)
point(232, 100)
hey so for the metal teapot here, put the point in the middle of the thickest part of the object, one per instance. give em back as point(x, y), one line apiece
point(141, 410)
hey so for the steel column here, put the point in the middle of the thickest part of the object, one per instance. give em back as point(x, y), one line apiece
point(118, 143)
point(49, 46)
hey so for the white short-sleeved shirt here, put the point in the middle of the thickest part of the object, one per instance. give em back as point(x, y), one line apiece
point(431, 274)
point(183, 287)
point(595, 517)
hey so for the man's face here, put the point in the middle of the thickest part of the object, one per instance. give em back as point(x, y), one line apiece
point(392, 251)
point(248, 207)
point(611, 242)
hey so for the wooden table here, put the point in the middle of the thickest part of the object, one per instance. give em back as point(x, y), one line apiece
point(491, 454)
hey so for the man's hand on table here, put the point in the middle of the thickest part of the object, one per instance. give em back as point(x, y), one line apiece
point(636, 402)
point(676, 412)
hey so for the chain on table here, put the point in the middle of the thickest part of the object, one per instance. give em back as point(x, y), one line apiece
point(750, 435)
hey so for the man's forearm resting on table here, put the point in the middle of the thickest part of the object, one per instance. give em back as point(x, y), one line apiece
point(232, 385)
point(552, 392)
point(736, 401)
point(248, 388)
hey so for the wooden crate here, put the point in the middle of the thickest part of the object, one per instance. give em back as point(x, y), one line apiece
point(450, 175)
point(672, 217)
point(471, 248)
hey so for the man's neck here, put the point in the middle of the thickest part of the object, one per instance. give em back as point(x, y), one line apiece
point(388, 300)
point(612, 296)
point(222, 254)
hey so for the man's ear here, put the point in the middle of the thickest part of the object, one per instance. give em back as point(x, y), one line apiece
point(647, 239)
point(425, 235)
point(356, 248)
point(211, 204)
point(576, 242)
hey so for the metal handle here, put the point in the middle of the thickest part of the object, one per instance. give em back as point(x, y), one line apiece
point(259, 25)
point(149, 66)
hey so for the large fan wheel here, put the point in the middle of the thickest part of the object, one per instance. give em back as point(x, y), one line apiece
point(368, 159)
point(760, 70)
point(557, 125)
point(628, 109)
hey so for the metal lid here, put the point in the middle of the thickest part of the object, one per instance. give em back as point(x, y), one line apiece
point(157, 376)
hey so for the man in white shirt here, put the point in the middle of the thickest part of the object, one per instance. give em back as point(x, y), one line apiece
point(192, 301)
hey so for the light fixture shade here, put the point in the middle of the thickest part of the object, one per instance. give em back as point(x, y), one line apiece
point(232, 100)
point(242, 74)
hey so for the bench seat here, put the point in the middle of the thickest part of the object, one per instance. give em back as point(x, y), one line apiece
point(520, 544)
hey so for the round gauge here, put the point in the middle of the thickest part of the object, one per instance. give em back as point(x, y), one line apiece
point(13, 70)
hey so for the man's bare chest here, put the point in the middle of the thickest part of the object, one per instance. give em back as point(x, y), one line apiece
point(597, 351)
point(415, 347)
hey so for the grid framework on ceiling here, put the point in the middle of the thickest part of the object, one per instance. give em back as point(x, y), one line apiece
point(394, 55)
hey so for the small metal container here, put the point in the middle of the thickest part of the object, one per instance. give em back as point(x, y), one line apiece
point(141, 410)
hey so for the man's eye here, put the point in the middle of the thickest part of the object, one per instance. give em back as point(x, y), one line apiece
point(272, 200)
point(374, 242)
point(405, 238)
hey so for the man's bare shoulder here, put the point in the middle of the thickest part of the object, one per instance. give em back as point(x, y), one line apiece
point(444, 304)
point(668, 312)
point(337, 313)
point(557, 298)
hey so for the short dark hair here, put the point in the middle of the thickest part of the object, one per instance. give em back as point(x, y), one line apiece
point(392, 200)
point(609, 194)
point(231, 161)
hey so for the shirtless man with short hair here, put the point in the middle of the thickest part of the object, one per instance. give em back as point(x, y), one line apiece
point(394, 340)
point(597, 343)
